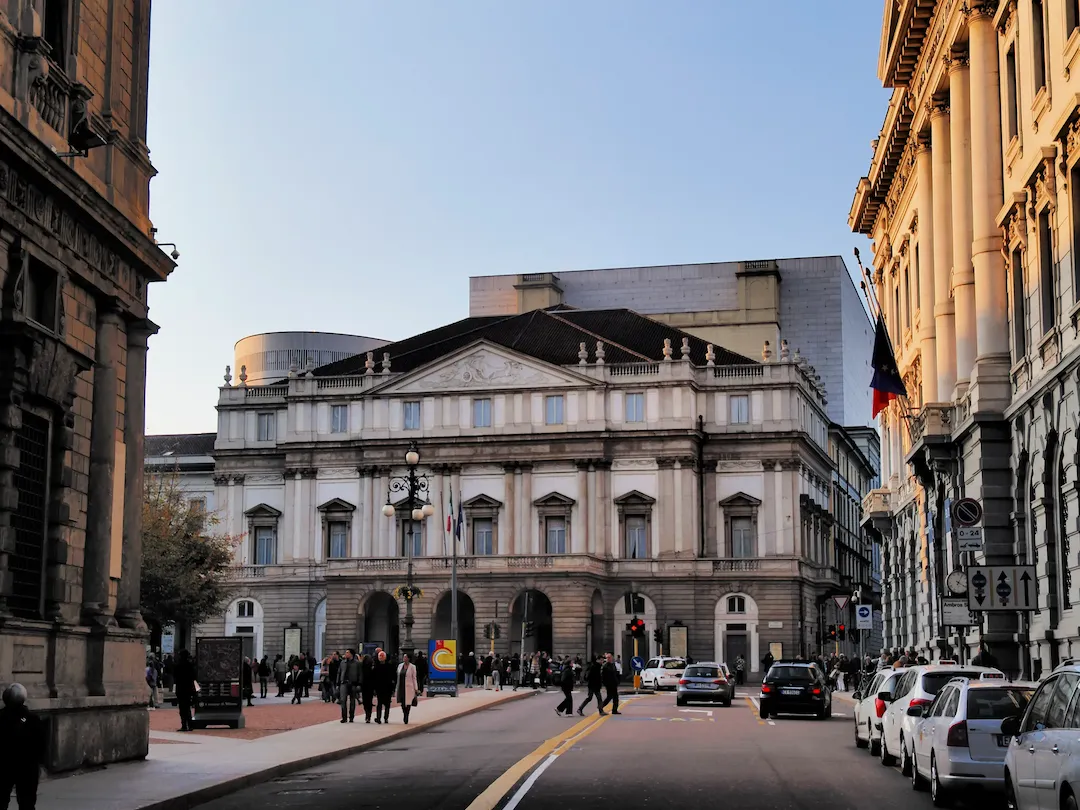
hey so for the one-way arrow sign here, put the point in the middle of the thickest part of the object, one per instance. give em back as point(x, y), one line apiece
point(1004, 587)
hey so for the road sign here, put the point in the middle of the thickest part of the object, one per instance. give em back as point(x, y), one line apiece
point(967, 512)
point(637, 664)
point(969, 538)
point(998, 588)
point(864, 617)
point(841, 602)
point(955, 612)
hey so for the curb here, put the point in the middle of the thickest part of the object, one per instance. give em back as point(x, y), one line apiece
point(211, 792)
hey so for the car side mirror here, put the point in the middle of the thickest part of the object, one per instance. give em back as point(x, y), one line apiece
point(1010, 726)
point(885, 696)
point(914, 711)
point(856, 696)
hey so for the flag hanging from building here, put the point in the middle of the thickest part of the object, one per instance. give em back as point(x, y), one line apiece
point(460, 522)
point(887, 382)
point(450, 514)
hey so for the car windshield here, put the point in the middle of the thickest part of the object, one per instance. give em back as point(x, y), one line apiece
point(997, 704)
point(674, 663)
point(791, 674)
point(933, 681)
point(702, 672)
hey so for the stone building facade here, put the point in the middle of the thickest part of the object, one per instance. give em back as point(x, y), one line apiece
point(76, 256)
point(972, 206)
point(592, 453)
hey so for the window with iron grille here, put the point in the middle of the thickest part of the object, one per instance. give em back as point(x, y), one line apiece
point(27, 564)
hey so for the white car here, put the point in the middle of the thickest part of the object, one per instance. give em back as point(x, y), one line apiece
point(917, 686)
point(957, 741)
point(1042, 763)
point(869, 709)
point(663, 673)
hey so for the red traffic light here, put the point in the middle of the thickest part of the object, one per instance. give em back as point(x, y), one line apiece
point(842, 628)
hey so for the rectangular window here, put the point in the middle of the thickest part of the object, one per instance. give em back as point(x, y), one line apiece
point(197, 504)
point(412, 531)
point(267, 427)
point(635, 538)
point(339, 418)
point(740, 409)
point(1074, 201)
point(483, 536)
point(1047, 280)
point(907, 298)
point(339, 540)
point(481, 413)
point(1019, 306)
point(896, 316)
point(29, 520)
point(918, 272)
point(265, 545)
point(1012, 96)
point(553, 410)
point(41, 295)
point(742, 539)
point(411, 415)
point(1072, 16)
point(555, 529)
point(1038, 43)
point(635, 407)
point(54, 30)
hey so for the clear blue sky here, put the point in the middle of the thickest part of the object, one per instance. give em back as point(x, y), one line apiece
point(346, 166)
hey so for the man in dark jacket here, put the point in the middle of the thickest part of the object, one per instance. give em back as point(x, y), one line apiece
point(367, 685)
point(610, 679)
point(384, 676)
point(349, 678)
point(184, 672)
point(566, 681)
point(245, 681)
point(594, 679)
point(22, 749)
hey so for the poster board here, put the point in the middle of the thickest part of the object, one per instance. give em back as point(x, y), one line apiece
point(218, 662)
point(293, 638)
point(677, 641)
point(442, 667)
point(776, 648)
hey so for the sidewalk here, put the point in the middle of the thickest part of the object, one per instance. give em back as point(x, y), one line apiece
point(186, 769)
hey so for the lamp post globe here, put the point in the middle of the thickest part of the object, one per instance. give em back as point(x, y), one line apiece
point(388, 510)
point(428, 510)
point(417, 514)
point(412, 458)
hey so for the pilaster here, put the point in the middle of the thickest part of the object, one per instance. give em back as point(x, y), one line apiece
point(944, 324)
point(927, 332)
point(963, 277)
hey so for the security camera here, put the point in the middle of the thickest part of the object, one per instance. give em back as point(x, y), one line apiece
point(175, 254)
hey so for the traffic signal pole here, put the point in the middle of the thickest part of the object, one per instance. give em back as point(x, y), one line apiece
point(637, 675)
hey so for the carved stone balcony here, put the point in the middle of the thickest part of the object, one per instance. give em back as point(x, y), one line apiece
point(931, 438)
point(878, 510)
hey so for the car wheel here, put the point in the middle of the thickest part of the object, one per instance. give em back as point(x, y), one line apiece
point(938, 795)
point(1069, 802)
point(883, 752)
point(828, 710)
point(917, 782)
point(859, 741)
point(727, 703)
point(875, 745)
point(905, 760)
point(680, 702)
point(1010, 794)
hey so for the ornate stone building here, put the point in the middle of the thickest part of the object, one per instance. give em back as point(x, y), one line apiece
point(972, 206)
point(76, 256)
point(593, 453)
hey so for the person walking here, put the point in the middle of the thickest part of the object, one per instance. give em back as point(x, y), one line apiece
point(281, 671)
point(566, 681)
point(245, 681)
point(295, 680)
point(406, 687)
point(151, 683)
point(594, 680)
point(349, 677)
point(22, 749)
point(367, 685)
point(184, 673)
point(384, 687)
point(740, 670)
point(469, 669)
point(264, 677)
point(610, 679)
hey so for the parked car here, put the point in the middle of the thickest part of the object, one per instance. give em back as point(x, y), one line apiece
point(918, 686)
point(870, 708)
point(957, 741)
point(1042, 763)
point(705, 681)
point(663, 672)
point(795, 687)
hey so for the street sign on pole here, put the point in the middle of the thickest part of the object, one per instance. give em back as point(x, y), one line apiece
point(967, 512)
point(969, 538)
point(864, 617)
point(1001, 587)
point(955, 612)
point(841, 602)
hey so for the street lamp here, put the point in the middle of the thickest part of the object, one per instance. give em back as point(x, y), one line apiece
point(415, 487)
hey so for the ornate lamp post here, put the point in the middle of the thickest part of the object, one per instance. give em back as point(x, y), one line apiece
point(415, 488)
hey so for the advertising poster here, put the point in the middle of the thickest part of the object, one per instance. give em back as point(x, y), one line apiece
point(677, 641)
point(442, 667)
point(293, 636)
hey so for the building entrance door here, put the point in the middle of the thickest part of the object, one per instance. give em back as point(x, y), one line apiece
point(736, 644)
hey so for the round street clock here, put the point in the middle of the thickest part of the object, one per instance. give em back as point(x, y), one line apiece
point(956, 582)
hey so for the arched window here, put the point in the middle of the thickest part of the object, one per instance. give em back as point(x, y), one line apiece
point(736, 604)
point(245, 609)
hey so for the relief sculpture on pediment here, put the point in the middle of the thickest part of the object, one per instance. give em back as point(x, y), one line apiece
point(486, 370)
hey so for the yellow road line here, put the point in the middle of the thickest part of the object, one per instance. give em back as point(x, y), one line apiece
point(497, 790)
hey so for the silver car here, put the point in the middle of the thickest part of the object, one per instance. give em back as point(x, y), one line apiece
point(705, 681)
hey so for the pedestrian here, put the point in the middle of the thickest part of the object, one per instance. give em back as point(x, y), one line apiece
point(151, 683)
point(740, 670)
point(594, 679)
point(767, 662)
point(367, 685)
point(264, 677)
point(186, 687)
point(22, 749)
point(618, 666)
point(295, 681)
point(984, 658)
point(349, 677)
point(566, 681)
point(383, 677)
point(515, 670)
point(610, 679)
point(406, 687)
point(245, 681)
point(281, 671)
point(469, 669)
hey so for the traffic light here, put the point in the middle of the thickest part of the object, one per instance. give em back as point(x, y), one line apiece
point(855, 634)
point(636, 627)
point(658, 635)
point(530, 629)
point(832, 632)
point(841, 632)
point(487, 631)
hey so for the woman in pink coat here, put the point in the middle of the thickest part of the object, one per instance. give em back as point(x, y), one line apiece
point(406, 686)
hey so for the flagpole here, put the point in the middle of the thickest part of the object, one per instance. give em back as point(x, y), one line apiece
point(453, 577)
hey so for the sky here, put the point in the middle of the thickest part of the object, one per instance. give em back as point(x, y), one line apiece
point(346, 165)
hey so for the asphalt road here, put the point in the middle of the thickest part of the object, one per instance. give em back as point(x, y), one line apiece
point(652, 756)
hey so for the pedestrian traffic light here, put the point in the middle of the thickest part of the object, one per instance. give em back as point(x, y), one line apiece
point(658, 635)
point(841, 632)
point(530, 629)
point(832, 632)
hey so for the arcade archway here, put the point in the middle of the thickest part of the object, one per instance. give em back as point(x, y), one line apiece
point(381, 621)
point(441, 624)
point(533, 607)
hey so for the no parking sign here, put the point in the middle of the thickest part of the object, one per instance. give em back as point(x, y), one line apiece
point(864, 617)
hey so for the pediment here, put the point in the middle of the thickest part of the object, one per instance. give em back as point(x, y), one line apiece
point(482, 502)
point(740, 499)
point(634, 498)
point(554, 499)
point(262, 510)
point(485, 366)
point(337, 505)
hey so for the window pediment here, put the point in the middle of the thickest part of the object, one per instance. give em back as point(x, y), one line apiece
point(482, 502)
point(740, 499)
point(337, 505)
point(263, 511)
point(554, 500)
point(634, 498)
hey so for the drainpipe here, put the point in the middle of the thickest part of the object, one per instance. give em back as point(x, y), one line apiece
point(701, 484)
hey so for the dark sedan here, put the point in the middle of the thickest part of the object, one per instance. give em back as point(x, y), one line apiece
point(795, 688)
point(705, 681)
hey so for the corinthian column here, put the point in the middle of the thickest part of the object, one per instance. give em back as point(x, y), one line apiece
point(927, 327)
point(963, 279)
point(129, 596)
point(944, 325)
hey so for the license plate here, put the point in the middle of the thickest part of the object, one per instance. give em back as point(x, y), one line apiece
point(1003, 741)
point(699, 686)
point(791, 691)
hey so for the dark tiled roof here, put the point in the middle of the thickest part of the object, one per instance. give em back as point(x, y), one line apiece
point(552, 335)
point(180, 444)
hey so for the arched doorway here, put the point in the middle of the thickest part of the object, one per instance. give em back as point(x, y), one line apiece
point(624, 642)
point(737, 631)
point(594, 644)
point(532, 606)
point(245, 618)
point(320, 630)
point(381, 621)
point(441, 624)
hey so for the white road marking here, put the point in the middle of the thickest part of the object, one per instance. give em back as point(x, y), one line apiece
point(528, 783)
point(839, 714)
point(756, 702)
point(772, 722)
point(698, 711)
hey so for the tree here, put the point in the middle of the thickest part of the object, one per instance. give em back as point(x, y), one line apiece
point(186, 563)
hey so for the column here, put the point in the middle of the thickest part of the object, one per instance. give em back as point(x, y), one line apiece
point(602, 504)
point(678, 503)
point(927, 335)
point(944, 325)
point(963, 279)
point(579, 535)
point(532, 536)
point(439, 539)
point(99, 506)
point(362, 542)
point(991, 320)
point(129, 595)
point(507, 524)
point(297, 507)
point(378, 522)
point(596, 544)
point(520, 529)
